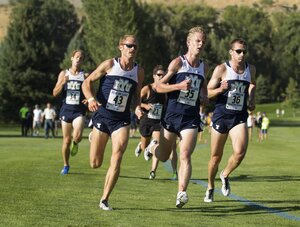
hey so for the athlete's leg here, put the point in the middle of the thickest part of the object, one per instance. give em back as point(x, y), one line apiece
point(216, 152)
point(66, 132)
point(155, 136)
point(119, 144)
point(78, 126)
point(145, 142)
point(163, 150)
point(97, 147)
point(239, 137)
point(186, 146)
point(174, 158)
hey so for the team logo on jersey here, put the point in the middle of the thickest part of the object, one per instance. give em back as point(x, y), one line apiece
point(238, 87)
point(122, 85)
point(73, 85)
point(195, 81)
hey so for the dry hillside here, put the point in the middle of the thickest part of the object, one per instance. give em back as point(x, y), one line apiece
point(218, 4)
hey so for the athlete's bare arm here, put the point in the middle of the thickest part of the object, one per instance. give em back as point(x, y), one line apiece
point(216, 84)
point(87, 85)
point(62, 79)
point(163, 87)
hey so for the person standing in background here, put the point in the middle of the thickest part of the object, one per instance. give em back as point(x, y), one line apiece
point(264, 126)
point(49, 117)
point(250, 124)
point(37, 120)
point(22, 114)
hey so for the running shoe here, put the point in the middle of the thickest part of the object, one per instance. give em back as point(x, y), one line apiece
point(138, 150)
point(175, 176)
point(147, 153)
point(209, 196)
point(152, 175)
point(65, 170)
point(182, 199)
point(74, 148)
point(104, 205)
point(225, 184)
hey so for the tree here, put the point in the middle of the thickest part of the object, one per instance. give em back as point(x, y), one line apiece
point(251, 24)
point(30, 54)
point(292, 95)
point(78, 42)
point(263, 90)
point(107, 21)
point(286, 47)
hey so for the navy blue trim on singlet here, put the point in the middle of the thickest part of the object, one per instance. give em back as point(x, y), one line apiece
point(227, 63)
point(118, 60)
point(183, 56)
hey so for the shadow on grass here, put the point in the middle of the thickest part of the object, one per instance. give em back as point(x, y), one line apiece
point(249, 178)
point(146, 178)
point(230, 208)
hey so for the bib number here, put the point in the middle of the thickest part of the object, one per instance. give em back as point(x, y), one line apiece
point(117, 101)
point(235, 101)
point(188, 97)
point(155, 112)
point(73, 97)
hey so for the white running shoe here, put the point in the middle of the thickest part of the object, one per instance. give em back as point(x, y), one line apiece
point(138, 150)
point(225, 185)
point(209, 196)
point(182, 199)
point(104, 205)
point(152, 175)
point(147, 153)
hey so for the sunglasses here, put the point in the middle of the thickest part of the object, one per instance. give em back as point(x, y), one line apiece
point(239, 51)
point(159, 74)
point(129, 46)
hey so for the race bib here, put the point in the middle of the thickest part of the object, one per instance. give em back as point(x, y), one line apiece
point(155, 112)
point(188, 97)
point(73, 97)
point(235, 101)
point(117, 100)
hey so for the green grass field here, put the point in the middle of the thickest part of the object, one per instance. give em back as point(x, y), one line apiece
point(265, 188)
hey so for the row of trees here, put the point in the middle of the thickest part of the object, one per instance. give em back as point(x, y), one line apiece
point(42, 34)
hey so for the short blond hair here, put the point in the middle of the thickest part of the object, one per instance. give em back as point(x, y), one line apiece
point(195, 30)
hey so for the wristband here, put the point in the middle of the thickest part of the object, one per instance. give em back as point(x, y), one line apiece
point(91, 99)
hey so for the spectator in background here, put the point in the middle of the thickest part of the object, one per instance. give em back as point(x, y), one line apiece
point(264, 126)
point(278, 112)
point(258, 121)
point(29, 123)
point(23, 113)
point(49, 117)
point(37, 120)
point(250, 124)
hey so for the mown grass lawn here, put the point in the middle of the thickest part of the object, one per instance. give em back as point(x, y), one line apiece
point(265, 188)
